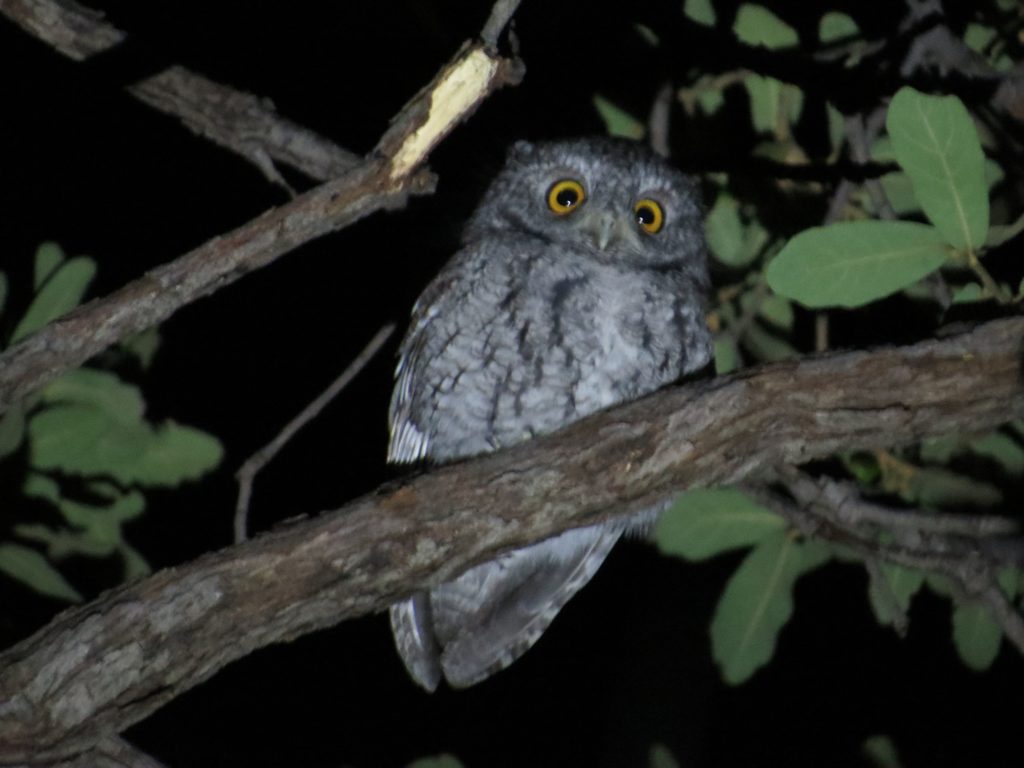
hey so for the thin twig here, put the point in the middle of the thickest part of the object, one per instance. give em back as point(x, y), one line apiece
point(246, 474)
point(846, 500)
point(501, 13)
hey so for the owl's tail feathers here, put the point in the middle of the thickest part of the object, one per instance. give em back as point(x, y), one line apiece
point(493, 613)
point(412, 626)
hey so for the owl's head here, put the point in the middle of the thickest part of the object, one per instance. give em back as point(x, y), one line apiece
point(614, 199)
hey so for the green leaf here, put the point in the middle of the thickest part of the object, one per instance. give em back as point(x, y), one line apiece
point(941, 449)
point(757, 602)
point(725, 231)
point(967, 294)
point(59, 295)
point(121, 402)
point(617, 121)
point(95, 529)
point(852, 263)
point(12, 429)
point(836, 26)
point(726, 355)
point(836, 127)
point(976, 636)
point(28, 566)
point(1003, 450)
point(994, 173)
point(143, 346)
point(710, 100)
point(772, 102)
point(40, 486)
point(899, 192)
point(892, 598)
point(896, 184)
point(49, 256)
point(703, 523)
point(756, 25)
point(778, 310)
point(122, 508)
point(661, 756)
point(178, 453)
point(863, 466)
point(135, 565)
point(84, 440)
point(978, 36)
point(64, 542)
point(81, 439)
point(766, 346)
point(936, 144)
point(937, 487)
point(700, 11)
point(881, 751)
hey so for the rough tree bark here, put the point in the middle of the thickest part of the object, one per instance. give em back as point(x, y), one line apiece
point(98, 668)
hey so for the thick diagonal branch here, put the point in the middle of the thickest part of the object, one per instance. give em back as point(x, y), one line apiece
point(382, 180)
point(101, 667)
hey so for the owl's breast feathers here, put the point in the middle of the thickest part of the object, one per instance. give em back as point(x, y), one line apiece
point(519, 336)
point(580, 286)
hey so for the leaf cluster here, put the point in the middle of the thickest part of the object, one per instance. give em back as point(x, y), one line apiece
point(86, 450)
point(914, 233)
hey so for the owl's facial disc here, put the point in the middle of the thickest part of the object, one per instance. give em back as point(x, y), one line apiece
point(608, 230)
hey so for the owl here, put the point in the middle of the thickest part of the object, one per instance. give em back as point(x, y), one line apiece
point(579, 285)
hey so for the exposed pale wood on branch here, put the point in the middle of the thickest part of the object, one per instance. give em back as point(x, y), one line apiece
point(98, 668)
point(382, 180)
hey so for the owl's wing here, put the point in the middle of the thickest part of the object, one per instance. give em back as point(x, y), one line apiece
point(413, 629)
point(409, 441)
point(488, 617)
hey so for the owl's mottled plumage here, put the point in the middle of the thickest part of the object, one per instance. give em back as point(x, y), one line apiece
point(544, 316)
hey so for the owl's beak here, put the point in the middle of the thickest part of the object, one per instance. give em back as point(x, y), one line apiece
point(604, 230)
point(603, 227)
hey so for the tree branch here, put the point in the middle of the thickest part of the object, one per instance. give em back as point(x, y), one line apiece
point(98, 668)
point(238, 121)
point(382, 180)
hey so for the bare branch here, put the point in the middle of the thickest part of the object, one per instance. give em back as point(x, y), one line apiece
point(237, 121)
point(74, 30)
point(382, 180)
point(501, 14)
point(252, 466)
point(243, 123)
point(954, 546)
point(98, 668)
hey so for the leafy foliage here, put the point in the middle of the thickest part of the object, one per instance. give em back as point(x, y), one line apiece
point(89, 451)
point(917, 230)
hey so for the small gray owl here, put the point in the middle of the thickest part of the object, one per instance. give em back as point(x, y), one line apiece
point(579, 285)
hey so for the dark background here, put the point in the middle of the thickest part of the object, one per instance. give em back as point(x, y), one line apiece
point(628, 662)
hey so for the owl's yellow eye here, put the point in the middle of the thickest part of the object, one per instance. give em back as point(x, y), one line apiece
point(565, 196)
point(649, 215)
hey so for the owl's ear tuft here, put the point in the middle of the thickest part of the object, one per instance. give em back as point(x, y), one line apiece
point(521, 150)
